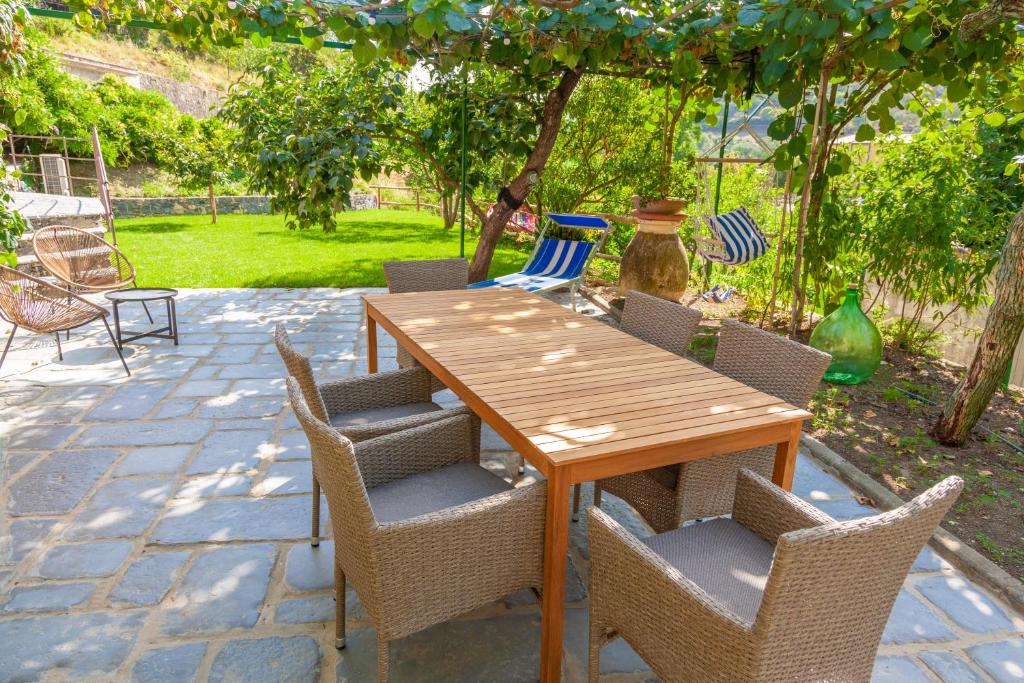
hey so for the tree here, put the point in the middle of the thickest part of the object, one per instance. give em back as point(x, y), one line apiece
point(198, 155)
point(13, 19)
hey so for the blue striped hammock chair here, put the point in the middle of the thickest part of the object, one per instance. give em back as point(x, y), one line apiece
point(556, 263)
point(736, 239)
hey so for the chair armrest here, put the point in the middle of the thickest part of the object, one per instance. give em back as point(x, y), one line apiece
point(441, 564)
point(770, 511)
point(377, 390)
point(419, 449)
point(360, 433)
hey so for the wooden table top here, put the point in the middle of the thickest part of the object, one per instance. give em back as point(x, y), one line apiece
point(565, 387)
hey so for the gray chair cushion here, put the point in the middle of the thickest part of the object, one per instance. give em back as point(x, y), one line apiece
point(372, 415)
point(727, 560)
point(432, 491)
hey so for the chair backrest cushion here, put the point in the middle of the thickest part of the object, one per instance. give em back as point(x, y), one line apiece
point(832, 587)
point(426, 276)
point(563, 259)
point(769, 362)
point(738, 232)
point(666, 324)
point(301, 369)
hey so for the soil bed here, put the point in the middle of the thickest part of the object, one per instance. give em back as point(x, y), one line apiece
point(882, 429)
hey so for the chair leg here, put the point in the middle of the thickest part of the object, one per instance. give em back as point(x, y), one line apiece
point(116, 347)
point(594, 665)
point(576, 503)
point(7, 346)
point(144, 306)
point(339, 607)
point(314, 539)
point(597, 496)
point(60, 352)
point(383, 660)
point(521, 469)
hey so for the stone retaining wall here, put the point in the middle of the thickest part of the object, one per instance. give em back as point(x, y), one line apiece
point(136, 207)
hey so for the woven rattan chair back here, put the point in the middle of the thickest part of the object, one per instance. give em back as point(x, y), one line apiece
point(335, 467)
point(301, 369)
point(426, 276)
point(40, 306)
point(832, 587)
point(81, 259)
point(768, 362)
point(666, 324)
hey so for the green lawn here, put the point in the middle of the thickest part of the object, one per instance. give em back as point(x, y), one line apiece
point(258, 251)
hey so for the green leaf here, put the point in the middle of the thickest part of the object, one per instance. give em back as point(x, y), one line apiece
point(457, 22)
point(994, 119)
point(865, 132)
point(774, 71)
point(259, 40)
point(1011, 168)
point(423, 26)
point(749, 17)
point(958, 90)
point(882, 31)
point(19, 116)
point(918, 39)
point(605, 22)
point(790, 94)
point(363, 51)
point(891, 60)
point(824, 29)
point(782, 127)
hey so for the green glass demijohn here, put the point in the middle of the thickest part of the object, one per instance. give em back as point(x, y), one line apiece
point(851, 339)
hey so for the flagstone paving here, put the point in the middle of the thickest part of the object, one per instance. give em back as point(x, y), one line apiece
point(153, 528)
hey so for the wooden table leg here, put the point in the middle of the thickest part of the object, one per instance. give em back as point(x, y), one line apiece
point(371, 343)
point(556, 546)
point(785, 459)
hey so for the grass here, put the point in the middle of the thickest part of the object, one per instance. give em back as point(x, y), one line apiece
point(259, 251)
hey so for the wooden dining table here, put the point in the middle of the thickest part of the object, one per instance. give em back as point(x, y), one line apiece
point(580, 400)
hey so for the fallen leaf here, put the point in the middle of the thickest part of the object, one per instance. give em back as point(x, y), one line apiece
point(870, 414)
point(864, 500)
point(984, 473)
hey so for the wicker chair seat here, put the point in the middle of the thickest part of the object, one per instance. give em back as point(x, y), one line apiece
point(433, 491)
point(359, 418)
point(725, 559)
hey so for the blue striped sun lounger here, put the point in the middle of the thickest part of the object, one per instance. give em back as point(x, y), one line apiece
point(555, 263)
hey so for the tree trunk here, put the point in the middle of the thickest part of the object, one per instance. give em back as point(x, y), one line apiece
point(973, 26)
point(995, 346)
point(520, 186)
point(213, 203)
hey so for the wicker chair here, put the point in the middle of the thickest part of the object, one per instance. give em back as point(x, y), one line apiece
point(365, 407)
point(45, 308)
point(668, 496)
point(780, 592)
point(83, 261)
point(666, 324)
point(421, 530)
point(425, 276)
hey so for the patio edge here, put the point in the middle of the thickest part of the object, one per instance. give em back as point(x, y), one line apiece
point(964, 557)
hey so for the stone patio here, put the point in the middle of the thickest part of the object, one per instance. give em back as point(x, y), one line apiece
point(152, 528)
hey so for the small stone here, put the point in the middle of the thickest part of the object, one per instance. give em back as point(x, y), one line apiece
point(48, 597)
point(211, 485)
point(268, 660)
point(286, 477)
point(223, 589)
point(169, 664)
point(965, 603)
point(950, 668)
point(309, 568)
point(203, 388)
point(58, 482)
point(39, 437)
point(1003, 660)
point(122, 507)
point(929, 561)
point(79, 645)
point(23, 536)
point(130, 401)
point(230, 452)
point(147, 581)
point(175, 408)
point(146, 433)
point(153, 460)
point(292, 446)
point(912, 622)
point(898, 670)
point(83, 560)
point(231, 406)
